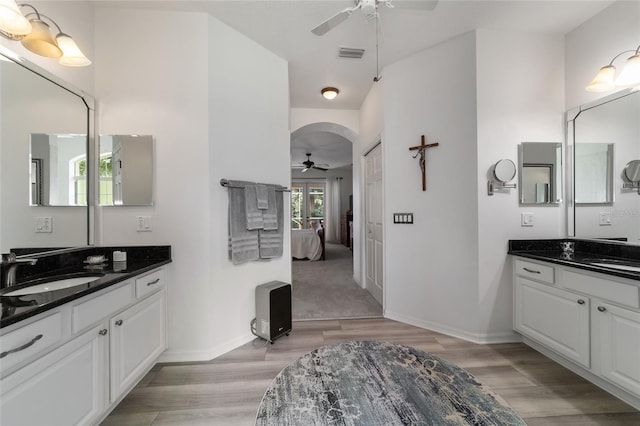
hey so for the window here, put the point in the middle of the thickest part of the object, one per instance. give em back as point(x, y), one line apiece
point(307, 203)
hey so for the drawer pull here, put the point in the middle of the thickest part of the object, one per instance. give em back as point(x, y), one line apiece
point(103, 332)
point(532, 271)
point(119, 322)
point(156, 281)
point(23, 347)
point(602, 308)
point(581, 302)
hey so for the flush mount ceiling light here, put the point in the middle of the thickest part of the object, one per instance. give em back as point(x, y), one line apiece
point(329, 92)
point(606, 79)
point(35, 34)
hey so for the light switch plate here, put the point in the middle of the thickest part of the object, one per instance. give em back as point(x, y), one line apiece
point(143, 224)
point(526, 219)
point(44, 224)
point(406, 218)
point(605, 218)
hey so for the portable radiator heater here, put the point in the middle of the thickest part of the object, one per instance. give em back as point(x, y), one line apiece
point(273, 311)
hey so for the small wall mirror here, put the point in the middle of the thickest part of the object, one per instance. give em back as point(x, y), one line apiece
point(126, 170)
point(58, 175)
point(632, 171)
point(540, 173)
point(502, 173)
point(593, 170)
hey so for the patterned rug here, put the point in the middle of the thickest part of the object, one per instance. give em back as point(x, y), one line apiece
point(379, 383)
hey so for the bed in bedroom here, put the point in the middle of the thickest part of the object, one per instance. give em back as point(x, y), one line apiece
point(308, 244)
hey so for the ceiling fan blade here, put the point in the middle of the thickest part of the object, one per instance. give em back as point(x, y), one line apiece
point(333, 22)
point(306, 169)
point(320, 168)
point(415, 4)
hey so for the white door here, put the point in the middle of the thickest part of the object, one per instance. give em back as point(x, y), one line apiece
point(373, 223)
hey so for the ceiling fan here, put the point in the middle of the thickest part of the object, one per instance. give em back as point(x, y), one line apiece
point(307, 165)
point(369, 9)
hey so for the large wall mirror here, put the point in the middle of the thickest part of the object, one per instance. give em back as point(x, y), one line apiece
point(605, 137)
point(126, 170)
point(540, 177)
point(45, 132)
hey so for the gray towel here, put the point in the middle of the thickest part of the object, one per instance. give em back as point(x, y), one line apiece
point(270, 215)
point(262, 196)
point(271, 241)
point(243, 244)
point(253, 213)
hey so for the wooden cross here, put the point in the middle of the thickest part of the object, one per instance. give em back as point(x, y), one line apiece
point(422, 148)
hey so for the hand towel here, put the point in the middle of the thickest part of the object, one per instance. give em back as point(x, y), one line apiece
point(262, 196)
point(252, 212)
point(243, 243)
point(270, 215)
point(271, 241)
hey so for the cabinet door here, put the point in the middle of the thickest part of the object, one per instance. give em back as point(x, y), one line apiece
point(65, 387)
point(618, 342)
point(138, 337)
point(555, 318)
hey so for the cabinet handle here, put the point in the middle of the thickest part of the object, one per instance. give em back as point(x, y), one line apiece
point(581, 302)
point(602, 308)
point(103, 332)
point(533, 271)
point(119, 322)
point(156, 281)
point(20, 348)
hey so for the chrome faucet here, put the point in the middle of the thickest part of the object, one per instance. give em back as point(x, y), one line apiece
point(9, 265)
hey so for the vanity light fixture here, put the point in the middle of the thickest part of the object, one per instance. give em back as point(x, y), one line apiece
point(630, 75)
point(35, 35)
point(329, 92)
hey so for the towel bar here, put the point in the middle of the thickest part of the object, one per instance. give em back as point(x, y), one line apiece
point(225, 182)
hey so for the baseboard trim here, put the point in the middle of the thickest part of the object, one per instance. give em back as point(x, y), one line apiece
point(208, 355)
point(478, 338)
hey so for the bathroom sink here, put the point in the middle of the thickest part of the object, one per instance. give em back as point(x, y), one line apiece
point(619, 266)
point(56, 284)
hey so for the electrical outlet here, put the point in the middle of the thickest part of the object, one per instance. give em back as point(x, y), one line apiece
point(526, 219)
point(605, 218)
point(44, 224)
point(143, 224)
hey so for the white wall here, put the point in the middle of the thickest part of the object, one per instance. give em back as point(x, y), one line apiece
point(208, 122)
point(431, 266)
point(520, 99)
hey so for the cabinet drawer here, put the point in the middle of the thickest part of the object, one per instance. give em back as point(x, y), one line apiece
point(25, 342)
point(535, 271)
point(96, 309)
point(624, 294)
point(150, 283)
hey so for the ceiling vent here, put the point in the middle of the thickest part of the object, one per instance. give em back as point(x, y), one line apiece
point(350, 52)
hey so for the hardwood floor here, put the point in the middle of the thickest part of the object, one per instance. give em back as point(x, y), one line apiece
point(228, 389)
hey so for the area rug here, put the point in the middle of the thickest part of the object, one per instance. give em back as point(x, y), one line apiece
point(379, 383)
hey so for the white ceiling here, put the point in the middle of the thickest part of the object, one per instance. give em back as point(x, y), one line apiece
point(284, 27)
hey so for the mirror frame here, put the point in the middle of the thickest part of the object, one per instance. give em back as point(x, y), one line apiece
point(90, 103)
point(571, 117)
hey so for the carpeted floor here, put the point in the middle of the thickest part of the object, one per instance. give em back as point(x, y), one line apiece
point(326, 289)
point(379, 384)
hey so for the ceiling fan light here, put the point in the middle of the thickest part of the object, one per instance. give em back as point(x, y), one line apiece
point(330, 92)
point(41, 41)
point(12, 21)
point(630, 74)
point(72, 56)
point(603, 81)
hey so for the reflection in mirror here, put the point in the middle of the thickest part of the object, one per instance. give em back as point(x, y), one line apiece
point(34, 104)
point(126, 170)
point(593, 170)
point(58, 170)
point(611, 121)
point(540, 173)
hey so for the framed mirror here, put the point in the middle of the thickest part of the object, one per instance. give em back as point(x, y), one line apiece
point(126, 170)
point(609, 130)
point(540, 176)
point(36, 105)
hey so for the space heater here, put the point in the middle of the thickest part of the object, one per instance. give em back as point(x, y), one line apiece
point(273, 311)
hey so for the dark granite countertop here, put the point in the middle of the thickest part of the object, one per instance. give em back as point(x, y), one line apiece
point(586, 253)
point(140, 259)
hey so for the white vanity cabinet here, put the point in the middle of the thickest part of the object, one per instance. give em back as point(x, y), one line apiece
point(587, 321)
point(107, 342)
